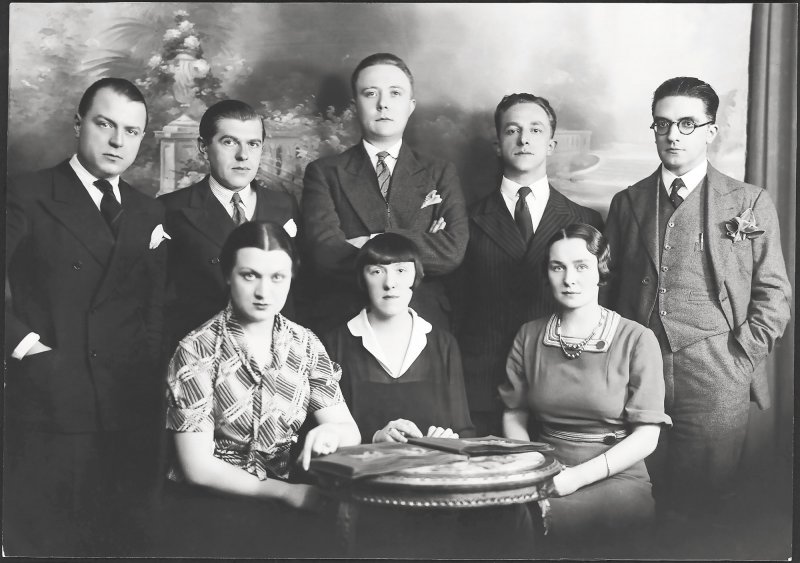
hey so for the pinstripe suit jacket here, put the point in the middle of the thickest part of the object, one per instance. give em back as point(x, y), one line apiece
point(503, 287)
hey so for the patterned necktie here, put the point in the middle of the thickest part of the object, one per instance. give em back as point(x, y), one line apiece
point(239, 216)
point(676, 200)
point(109, 206)
point(522, 215)
point(384, 176)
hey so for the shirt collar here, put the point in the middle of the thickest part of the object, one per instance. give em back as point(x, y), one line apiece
point(540, 189)
point(224, 194)
point(87, 179)
point(372, 150)
point(691, 179)
point(360, 328)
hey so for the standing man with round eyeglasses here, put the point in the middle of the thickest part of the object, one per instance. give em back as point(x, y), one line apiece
point(703, 268)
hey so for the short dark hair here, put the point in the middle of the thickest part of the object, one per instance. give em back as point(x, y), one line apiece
point(381, 59)
point(121, 86)
point(255, 234)
point(388, 248)
point(524, 98)
point(691, 87)
point(227, 109)
point(596, 243)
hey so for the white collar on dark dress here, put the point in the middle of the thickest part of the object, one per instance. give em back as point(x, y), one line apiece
point(600, 343)
point(359, 327)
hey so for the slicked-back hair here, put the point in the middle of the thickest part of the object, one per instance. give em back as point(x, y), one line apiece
point(524, 98)
point(691, 87)
point(385, 249)
point(255, 234)
point(381, 59)
point(121, 86)
point(227, 109)
point(596, 243)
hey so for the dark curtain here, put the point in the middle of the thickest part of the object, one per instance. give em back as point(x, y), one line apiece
point(772, 163)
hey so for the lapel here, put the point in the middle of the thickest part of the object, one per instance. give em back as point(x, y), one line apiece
point(494, 219)
point(359, 182)
point(207, 215)
point(133, 240)
point(557, 214)
point(644, 206)
point(408, 187)
point(721, 205)
point(73, 207)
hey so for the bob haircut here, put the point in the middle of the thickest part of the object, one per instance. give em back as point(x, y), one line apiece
point(255, 234)
point(227, 109)
point(388, 248)
point(596, 243)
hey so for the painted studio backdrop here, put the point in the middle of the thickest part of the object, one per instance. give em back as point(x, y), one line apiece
point(597, 64)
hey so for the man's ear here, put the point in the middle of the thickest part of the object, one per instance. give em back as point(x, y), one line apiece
point(713, 130)
point(551, 146)
point(201, 147)
point(77, 125)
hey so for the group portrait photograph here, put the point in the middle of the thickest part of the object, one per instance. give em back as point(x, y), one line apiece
point(367, 280)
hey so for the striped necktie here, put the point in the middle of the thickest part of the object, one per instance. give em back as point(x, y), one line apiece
point(384, 176)
point(239, 216)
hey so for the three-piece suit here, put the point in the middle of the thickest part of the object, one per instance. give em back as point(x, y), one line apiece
point(341, 200)
point(717, 306)
point(503, 285)
point(76, 415)
point(198, 225)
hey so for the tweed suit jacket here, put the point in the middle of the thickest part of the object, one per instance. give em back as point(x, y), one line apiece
point(503, 286)
point(96, 302)
point(750, 285)
point(341, 200)
point(199, 225)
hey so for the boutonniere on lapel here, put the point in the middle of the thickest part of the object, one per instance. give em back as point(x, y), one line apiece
point(743, 226)
point(432, 198)
point(159, 235)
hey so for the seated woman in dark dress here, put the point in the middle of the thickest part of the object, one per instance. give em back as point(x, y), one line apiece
point(400, 376)
point(593, 383)
point(239, 388)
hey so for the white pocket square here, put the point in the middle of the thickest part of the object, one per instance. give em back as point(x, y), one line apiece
point(431, 199)
point(159, 235)
point(291, 228)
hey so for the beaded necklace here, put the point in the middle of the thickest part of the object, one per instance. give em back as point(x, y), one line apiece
point(572, 351)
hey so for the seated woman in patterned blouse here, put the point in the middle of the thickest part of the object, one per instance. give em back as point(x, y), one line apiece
point(239, 388)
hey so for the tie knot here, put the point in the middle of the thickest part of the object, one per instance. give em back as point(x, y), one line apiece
point(677, 184)
point(104, 186)
point(236, 198)
point(382, 156)
point(523, 192)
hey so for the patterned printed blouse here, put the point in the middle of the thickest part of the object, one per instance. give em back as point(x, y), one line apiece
point(215, 385)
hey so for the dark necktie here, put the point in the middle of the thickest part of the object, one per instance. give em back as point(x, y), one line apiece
point(676, 200)
point(522, 215)
point(239, 216)
point(383, 174)
point(109, 206)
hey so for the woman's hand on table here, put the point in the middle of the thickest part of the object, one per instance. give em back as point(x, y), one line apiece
point(320, 440)
point(439, 432)
point(396, 431)
point(566, 482)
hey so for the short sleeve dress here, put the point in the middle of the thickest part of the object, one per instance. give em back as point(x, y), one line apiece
point(615, 384)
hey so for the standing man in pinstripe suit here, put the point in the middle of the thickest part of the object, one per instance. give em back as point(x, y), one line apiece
point(508, 233)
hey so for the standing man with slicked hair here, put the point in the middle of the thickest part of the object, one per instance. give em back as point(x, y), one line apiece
point(83, 340)
point(380, 185)
point(696, 256)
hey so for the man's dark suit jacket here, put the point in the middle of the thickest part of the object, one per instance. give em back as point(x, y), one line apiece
point(97, 304)
point(341, 200)
point(199, 225)
point(504, 286)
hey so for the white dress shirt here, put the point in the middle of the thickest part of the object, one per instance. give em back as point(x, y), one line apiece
point(691, 179)
point(536, 200)
point(224, 195)
point(391, 160)
point(88, 182)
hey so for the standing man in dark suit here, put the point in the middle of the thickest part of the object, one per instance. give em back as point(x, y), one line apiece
point(83, 334)
point(697, 258)
point(200, 217)
point(380, 185)
point(502, 276)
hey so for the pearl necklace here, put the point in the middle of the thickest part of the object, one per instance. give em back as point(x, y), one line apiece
point(572, 351)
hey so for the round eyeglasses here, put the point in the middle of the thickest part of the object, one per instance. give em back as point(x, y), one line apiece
point(686, 126)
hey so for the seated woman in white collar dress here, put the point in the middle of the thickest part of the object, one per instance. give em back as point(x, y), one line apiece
point(400, 376)
point(592, 384)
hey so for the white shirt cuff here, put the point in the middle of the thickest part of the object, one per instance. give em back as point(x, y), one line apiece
point(25, 345)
